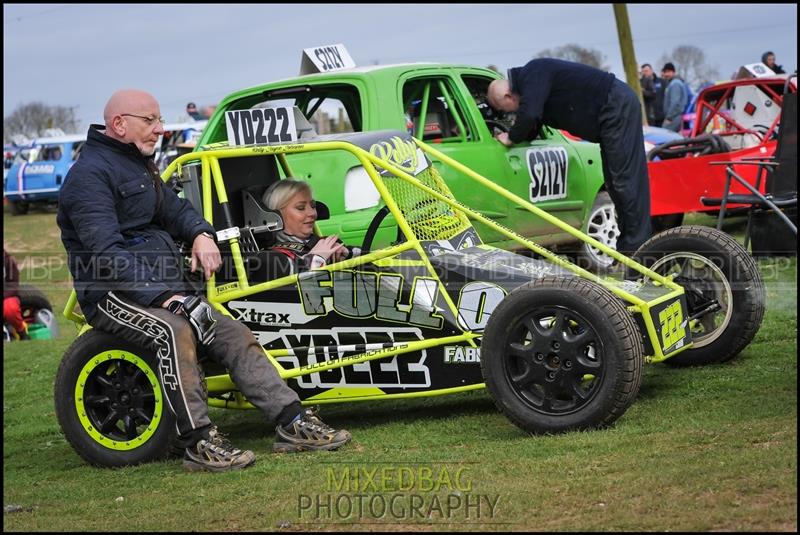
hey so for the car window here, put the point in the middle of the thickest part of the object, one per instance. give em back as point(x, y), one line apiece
point(331, 108)
point(25, 155)
point(432, 100)
point(359, 191)
point(76, 149)
point(478, 87)
point(48, 153)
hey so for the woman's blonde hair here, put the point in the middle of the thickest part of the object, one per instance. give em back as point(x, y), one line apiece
point(278, 194)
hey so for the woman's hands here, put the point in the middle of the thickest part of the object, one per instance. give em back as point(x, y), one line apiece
point(330, 248)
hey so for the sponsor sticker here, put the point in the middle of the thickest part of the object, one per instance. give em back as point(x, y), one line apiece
point(548, 172)
point(462, 355)
point(40, 169)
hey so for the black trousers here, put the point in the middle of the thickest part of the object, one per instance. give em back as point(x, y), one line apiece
point(625, 165)
point(175, 345)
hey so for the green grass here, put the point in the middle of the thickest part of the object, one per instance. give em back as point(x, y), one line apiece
point(707, 448)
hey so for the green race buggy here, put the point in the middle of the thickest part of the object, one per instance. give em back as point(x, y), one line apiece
point(434, 311)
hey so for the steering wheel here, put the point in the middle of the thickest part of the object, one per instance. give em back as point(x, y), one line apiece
point(377, 219)
point(493, 123)
point(762, 129)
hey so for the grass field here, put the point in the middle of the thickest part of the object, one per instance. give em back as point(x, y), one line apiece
point(702, 449)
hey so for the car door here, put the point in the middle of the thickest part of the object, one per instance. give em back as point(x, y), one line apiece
point(41, 176)
point(550, 174)
point(440, 112)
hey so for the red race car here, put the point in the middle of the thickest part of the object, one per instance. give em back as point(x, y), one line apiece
point(734, 120)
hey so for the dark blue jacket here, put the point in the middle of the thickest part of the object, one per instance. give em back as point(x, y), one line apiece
point(561, 94)
point(118, 221)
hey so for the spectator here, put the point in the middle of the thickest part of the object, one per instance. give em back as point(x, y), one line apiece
point(199, 114)
point(117, 224)
point(653, 95)
point(676, 98)
point(191, 109)
point(595, 106)
point(768, 59)
point(12, 310)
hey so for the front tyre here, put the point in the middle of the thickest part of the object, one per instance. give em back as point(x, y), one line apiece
point(602, 226)
point(109, 403)
point(562, 354)
point(19, 207)
point(724, 290)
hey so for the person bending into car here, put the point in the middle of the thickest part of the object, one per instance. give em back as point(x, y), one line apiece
point(595, 106)
point(296, 247)
point(118, 223)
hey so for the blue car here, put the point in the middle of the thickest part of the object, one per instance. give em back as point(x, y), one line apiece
point(40, 167)
point(38, 170)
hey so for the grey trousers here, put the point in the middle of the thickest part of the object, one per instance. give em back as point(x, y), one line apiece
point(625, 165)
point(175, 345)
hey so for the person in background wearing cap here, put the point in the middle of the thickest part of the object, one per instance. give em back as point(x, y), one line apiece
point(676, 98)
point(595, 106)
point(191, 109)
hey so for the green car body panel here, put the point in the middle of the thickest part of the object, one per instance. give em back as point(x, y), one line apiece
point(384, 97)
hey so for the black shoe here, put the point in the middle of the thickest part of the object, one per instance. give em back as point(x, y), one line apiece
point(216, 454)
point(308, 433)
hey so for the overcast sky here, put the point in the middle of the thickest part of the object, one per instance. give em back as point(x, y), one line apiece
point(79, 54)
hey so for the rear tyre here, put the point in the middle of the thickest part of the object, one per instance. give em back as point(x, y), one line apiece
point(720, 278)
point(109, 402)
point(661, 223)
point(562, 354)
point(19, 207)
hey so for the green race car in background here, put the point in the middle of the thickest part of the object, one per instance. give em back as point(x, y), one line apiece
point(444, 105)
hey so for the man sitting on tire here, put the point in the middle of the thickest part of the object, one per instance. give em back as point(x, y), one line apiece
point(117, 224)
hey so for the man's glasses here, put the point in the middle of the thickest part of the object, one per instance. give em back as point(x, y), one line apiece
point(148, 120)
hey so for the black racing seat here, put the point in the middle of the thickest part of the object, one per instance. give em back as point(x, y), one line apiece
point(258, 235)
point(437, 121)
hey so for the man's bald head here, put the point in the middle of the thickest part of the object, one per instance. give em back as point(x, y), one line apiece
point(133, 116)
point(500, 96)
point(127, 101)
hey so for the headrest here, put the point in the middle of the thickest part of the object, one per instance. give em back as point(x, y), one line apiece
point(257, 216)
